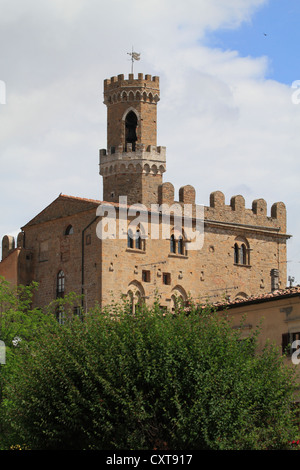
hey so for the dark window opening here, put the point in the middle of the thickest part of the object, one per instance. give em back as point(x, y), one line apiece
point(146, 276)
point(241, 254)
point(180, 246)
point(69, 230)
point(172, 244)
point(60, 284)
point(130, 129)
point(138, 240)
point(167, 278)
point(135, 240)
point(130, 239)
point(288, 339)
point(243, 258)
point(236, 254)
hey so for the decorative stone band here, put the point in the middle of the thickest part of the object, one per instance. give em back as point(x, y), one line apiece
point(141, 89)
point(147, 161)
point(235, 213)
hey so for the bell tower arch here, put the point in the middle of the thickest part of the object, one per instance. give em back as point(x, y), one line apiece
point(131, 122)
point(132, 165)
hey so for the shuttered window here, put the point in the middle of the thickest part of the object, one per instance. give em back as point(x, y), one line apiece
point(287, 341)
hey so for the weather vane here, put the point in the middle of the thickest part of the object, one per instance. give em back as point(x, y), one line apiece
point(134, 56)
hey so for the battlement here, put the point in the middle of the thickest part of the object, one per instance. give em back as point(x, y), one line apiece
point(233, 214)
point(120, 81)
point(144, 88)
point(120, 152)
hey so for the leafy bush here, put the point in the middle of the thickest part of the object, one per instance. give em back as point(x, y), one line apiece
point(151, 380)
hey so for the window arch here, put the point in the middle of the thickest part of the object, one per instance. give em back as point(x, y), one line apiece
point(180, 245)
point(172, 244)
point(138, 240)
point(69, 230)
point(241, 251)
point(130, 129)
point(60, 284)
point(177, 302)
point(241, 296)
point(236, 254)
point(135, 240)
point(130, 243)
point(243, 254)
point(178, 298)
point(177, 244)
point(135, 295)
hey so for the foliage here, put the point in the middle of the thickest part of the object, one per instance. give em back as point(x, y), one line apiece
point(151, 380)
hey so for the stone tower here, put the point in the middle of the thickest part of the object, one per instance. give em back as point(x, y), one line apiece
point(132, 165)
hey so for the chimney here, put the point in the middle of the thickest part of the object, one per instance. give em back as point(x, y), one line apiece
point(274, 279)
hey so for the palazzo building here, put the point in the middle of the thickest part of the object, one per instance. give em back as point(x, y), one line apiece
point(242, 252)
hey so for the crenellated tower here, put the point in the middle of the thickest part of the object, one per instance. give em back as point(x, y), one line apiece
point(132, 165)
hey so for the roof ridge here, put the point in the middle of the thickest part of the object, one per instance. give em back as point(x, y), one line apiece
point(266, 296)
point(79, 198)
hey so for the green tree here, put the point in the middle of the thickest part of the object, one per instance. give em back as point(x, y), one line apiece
point(20, 324)
point(149, 380)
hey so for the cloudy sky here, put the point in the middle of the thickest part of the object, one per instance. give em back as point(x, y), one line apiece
point(229, 114)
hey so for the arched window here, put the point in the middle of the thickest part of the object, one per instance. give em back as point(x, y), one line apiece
point(131, 300)
point(243, 254)
point(138, 240)
point(135, 296)
point(178, 298)
point(138, 301)
point(134, 240)
point(177, 244)
point(172, 244)
point(180, 245)
point(242, 251)
point(236, 253)
point(241, 296)
point(69, 230)
point(176, 302)
point(130, 129)
point(60, 284)
point(130, 239)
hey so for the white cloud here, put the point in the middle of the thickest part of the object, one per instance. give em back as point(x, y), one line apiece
point(232, 129)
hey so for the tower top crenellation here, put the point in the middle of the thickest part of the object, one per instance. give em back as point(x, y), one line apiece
point(141, 89)
point(142, 81)
point(133, 163)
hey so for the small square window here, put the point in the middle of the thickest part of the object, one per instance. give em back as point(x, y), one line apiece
point(146, 276)
point(167, 278)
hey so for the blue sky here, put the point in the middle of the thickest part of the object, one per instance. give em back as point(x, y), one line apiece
point(279, 20)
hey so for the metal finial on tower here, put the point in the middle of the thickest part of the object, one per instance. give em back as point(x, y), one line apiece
point(134, 56)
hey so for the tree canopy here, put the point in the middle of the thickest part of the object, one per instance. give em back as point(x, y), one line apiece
point(153, 380)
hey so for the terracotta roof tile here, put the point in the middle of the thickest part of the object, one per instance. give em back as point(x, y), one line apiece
point(276, 294)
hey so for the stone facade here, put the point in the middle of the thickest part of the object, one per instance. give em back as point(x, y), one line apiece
point(243, 251)
point(277, 315)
